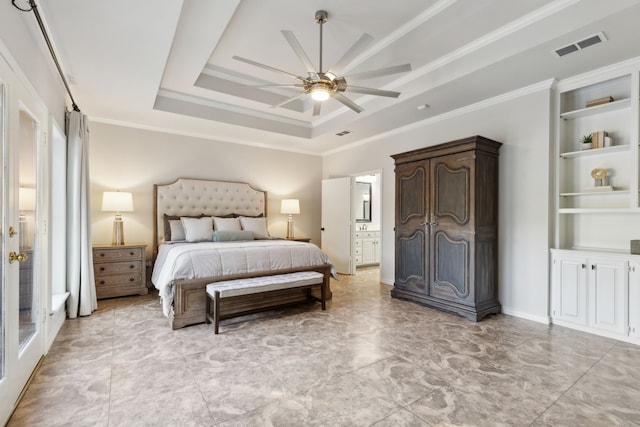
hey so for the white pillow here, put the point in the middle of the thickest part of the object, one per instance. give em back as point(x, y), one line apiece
point(177, 230)
point(256, 225)
point(226, 224)
point(197, 229)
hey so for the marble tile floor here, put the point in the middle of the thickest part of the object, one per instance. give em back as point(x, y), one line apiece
point(369, 360)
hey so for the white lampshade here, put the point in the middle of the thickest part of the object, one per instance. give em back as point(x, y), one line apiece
point(117, 201)
point(27, 199)
point(290, 206)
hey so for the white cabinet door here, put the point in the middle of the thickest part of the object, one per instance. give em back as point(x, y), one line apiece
point(608, 284)
point(570, 289)
point(368, 251)
point(634, 299)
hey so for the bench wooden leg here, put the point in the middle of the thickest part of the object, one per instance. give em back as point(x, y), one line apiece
point(216, 311)
point(323, 295)
point(207, 315)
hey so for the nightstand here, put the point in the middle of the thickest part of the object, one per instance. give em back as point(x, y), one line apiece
point(119, 270)
point(300, 239)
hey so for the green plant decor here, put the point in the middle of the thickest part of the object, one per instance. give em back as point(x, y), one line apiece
point(587, 139)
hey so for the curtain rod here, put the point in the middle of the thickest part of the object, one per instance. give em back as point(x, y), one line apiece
point(34, 8)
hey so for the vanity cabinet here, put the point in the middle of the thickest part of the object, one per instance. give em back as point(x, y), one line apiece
point(367, 247)
point(446, 226)
point(596, 292)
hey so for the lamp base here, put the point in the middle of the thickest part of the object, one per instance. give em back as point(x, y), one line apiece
point(117, 239)
point(290, 228)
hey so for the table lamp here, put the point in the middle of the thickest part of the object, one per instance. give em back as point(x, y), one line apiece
point(117, 201)
point(290, 207)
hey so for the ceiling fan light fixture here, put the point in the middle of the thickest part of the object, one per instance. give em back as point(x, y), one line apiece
point(319, 93)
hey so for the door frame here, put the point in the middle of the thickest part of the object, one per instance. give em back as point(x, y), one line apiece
point(380, 215)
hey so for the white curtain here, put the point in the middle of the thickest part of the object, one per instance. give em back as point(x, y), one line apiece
point(80, 282)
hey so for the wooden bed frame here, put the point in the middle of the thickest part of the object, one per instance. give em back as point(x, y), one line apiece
point(189, 197)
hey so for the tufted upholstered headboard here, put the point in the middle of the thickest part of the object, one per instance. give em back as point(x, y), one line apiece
point(190, 197)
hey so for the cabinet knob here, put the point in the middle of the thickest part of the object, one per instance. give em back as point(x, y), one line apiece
point(132, 267)
point(593, 266)
point(101, 268)
point(102, 282)
point(101, 253)
point(132, 279)
point(584, 266)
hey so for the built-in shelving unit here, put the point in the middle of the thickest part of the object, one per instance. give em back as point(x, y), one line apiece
point(595, 279)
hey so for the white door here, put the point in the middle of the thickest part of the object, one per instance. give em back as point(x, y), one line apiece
point(21, 318)
point(608, 284)
point(336, 223)
point(570, 289)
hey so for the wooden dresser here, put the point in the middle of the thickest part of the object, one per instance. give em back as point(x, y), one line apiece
point(447, 227)
point(119, 270)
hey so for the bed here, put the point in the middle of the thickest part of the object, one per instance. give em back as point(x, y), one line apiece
point(183, 269)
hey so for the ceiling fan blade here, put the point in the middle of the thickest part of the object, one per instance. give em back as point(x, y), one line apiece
point(316, 108)
point(370, 91)
point(299, 51)
point(380, 72)
point(358, 47)
point(294, 86)
point(288, 100)
point(349, 103)
point(266, 67)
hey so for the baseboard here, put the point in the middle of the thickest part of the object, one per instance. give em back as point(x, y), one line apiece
point(540, 319)
point(387, 281)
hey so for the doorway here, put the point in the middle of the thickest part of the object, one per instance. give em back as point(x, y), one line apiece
point(366, 208)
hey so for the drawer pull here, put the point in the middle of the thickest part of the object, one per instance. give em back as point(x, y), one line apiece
point(101, 253)
point(101, 268)
point(132, 253)
point(132, 279)
point(132, 266)
point(102, 282)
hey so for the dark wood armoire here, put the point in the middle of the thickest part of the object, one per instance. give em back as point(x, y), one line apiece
point(446, 227)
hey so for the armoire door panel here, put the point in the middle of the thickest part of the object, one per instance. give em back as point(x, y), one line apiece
point(451, 193)
point(451, 264)
point(411, 269)
point(411, 205)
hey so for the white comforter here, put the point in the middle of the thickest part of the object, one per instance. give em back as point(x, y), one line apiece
point(207, 259)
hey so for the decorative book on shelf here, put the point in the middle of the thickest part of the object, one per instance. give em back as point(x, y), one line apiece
point(599, 101)
point(598, 139)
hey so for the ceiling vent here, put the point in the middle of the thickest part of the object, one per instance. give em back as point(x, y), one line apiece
point(343, 133)
point(582, 44)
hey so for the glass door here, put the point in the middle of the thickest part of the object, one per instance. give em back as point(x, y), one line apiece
point(28, 291)
point(22, 116)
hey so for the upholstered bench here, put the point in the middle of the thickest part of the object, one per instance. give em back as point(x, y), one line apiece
point(239, 289)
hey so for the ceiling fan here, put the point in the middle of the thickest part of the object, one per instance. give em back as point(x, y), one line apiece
point(322, 85)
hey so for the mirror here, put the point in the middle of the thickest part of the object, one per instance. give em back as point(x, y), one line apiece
point(362, 198)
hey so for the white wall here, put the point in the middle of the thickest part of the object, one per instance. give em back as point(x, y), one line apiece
point(523, 126)
point(130, 159)
point(20, 34)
